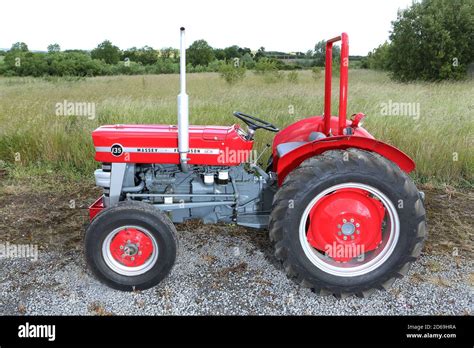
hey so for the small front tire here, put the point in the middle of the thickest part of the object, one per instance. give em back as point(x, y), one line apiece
point(131, 246)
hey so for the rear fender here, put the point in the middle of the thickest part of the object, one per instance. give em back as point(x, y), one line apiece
point(294, 158)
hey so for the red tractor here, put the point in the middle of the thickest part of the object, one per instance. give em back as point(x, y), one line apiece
point(343, 215)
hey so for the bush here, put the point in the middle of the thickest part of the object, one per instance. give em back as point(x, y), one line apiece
point(74, 64)
point(163, 66)
point(131, 68)
point(231, 73)
point(215, 65)
point(265, 65)
point(378, 59)
point(20, 63)
point(268, 69)
point(247, 61)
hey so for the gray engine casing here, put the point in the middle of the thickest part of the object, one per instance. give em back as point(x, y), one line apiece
point(244, 198)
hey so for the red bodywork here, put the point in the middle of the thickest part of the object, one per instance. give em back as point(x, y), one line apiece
point(300, 131)
point(96, 208)
point(332, 126)
point(209, 145)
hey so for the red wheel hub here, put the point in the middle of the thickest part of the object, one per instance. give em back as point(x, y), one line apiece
point(346, 224)
point(131, 247)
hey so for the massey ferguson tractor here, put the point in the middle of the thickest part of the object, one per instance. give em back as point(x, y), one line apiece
point(342, 213)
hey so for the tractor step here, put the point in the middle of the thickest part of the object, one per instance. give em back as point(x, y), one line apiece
point(253, 220)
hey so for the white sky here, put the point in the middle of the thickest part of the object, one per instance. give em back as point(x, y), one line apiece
point(290, 25)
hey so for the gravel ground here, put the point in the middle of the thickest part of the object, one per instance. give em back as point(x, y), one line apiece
point(224, 270)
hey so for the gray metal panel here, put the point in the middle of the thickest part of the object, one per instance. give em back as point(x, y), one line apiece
point(116, 182)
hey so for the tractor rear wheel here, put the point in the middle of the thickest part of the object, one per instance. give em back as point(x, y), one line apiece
point(131, 246)
point(347, 222)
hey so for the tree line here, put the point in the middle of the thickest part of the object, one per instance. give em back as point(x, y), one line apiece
point(108, 59)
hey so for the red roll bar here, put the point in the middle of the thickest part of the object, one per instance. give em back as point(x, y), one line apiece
point(343, 79)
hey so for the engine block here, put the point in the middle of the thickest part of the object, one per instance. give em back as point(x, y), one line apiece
point(208, 193)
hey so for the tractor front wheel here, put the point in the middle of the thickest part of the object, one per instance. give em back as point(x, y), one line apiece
point(131, 246)
point(347, 222)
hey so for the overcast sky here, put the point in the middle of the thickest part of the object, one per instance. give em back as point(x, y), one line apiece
point(289, 25)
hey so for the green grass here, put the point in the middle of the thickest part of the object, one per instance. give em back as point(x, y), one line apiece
point(440, 141)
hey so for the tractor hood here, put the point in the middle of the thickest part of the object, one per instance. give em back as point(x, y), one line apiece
point(211, 145)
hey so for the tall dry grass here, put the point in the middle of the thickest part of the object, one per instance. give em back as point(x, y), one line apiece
point(440, 140)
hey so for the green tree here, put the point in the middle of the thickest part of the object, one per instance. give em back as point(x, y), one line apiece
point(148, 55)
point(53, 48)
point(19, 46)
point(219, 54)
point(169, 53)
point(319, 53)
point(200, 53)
point(232, 52)
point(432, 40)
point(107, 52)
point(260, 53)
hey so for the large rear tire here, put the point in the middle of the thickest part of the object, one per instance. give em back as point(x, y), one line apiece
point(347, 222)
point(131, 246)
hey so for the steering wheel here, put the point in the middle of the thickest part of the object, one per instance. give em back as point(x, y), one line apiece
point(256, 123)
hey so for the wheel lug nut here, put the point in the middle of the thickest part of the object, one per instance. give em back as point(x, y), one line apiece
point(344, 220)
point(339, 233)
point(352, 220)
point(358, 232)
point(357, 225)
point(132, 258)
point(352, 237)
point(121, 247)
point(345, 237)
point(338, 226)
point(139, 253)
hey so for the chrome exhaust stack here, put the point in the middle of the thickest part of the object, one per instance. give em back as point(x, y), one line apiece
point(183, 109)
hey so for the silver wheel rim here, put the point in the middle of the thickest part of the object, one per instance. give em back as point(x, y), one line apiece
point(119, 268)
point(391, 234)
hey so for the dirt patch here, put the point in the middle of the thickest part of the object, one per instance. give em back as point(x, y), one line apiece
point(450, 220)
point(52, 220)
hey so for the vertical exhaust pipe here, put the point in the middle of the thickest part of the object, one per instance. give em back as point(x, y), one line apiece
point(183, 108)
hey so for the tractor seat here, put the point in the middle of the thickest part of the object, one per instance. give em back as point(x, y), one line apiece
point(284, 148)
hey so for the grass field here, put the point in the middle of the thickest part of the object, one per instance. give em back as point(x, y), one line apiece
point(439, 135)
